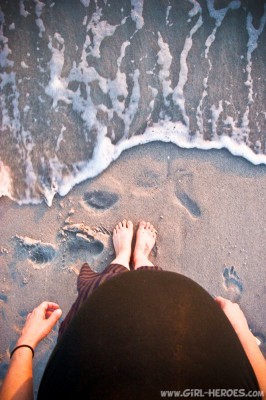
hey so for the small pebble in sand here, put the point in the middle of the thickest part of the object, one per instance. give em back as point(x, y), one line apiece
point(3, 250)
point(161, 216)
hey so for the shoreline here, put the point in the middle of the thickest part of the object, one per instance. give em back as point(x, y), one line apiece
point(208, 208)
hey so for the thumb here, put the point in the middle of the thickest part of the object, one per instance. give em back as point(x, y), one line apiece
point(54, 317)
point(221, 301)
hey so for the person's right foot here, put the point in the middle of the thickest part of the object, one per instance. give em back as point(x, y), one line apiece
point(145, 240)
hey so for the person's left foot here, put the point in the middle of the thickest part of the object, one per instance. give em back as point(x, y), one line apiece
point(122, 239)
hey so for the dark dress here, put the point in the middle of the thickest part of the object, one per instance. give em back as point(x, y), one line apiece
point(140, 334)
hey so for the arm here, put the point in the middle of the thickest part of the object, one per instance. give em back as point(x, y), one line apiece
point(18, 383)
point(247, 339)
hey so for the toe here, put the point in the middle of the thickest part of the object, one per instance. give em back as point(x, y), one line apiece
point(153, 229)
point(142, 224)
point(119, 225)
point(124, 223)
point(129, 224)
point(148, 225)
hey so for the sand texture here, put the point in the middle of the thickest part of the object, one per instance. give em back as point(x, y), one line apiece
point(208, 208)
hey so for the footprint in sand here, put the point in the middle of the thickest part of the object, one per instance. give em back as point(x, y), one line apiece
point(38, 252)
point(100, 199)
point(232, 281)
point(3, 297)
point(23, 313)
point(148, 179)
point(184, 185)
point(82, 237)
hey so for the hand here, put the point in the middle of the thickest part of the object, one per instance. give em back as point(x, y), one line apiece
point(39, 323)
point(235, 315)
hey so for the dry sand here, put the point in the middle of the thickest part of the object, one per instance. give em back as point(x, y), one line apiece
point(209, 210)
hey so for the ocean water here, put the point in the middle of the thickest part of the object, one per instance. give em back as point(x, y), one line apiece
point(81, 81)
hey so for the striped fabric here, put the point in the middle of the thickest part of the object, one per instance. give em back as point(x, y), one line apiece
point(88, 282)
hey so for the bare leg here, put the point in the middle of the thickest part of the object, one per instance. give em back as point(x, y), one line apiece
point(122, 238)
point(145, 240)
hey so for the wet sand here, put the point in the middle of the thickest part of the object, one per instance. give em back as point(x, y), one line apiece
point(208, 208)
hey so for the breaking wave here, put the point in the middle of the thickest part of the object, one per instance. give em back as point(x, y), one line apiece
point(82, 82)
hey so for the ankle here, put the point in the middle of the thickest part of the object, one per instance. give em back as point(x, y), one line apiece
point(141, 261)
point(121, 259)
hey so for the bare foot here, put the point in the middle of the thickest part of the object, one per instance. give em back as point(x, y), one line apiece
point(145, 240)
point(122, 238)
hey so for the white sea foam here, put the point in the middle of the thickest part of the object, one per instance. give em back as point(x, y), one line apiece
point(137, 87)
point(24, 65)
point(154, 93)
point(252, 44)
point(39, 7)
point(216, 112)
point(218, 16)
point(117, 88)
point(132, 109)
point(5, 50)
point(85, 20)
point(40, 24)
point(136, 12)
point(56, 87)
point(100, 30)
point(6, 187)
point(165, 60)
point(22, 9)
point(60, 138)
point(178, 93)
point(168, 9)
point(86, 3)
point(177, 133)
point(38, 11)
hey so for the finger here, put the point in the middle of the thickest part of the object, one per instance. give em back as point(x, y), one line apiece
point(48, 314)
point(221, 301)
point(47, 305)
point(54, 317)
point(28, 316)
